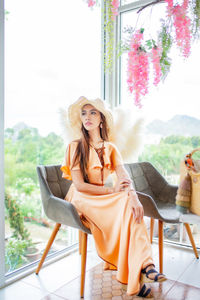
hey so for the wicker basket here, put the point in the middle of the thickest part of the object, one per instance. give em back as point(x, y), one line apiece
point(194, 172)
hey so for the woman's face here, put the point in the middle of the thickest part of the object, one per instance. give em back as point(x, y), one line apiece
point(90, 117)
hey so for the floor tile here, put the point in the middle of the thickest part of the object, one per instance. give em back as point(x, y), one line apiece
point(175, 261)
point(63, 271)
point(53, 297)
point(20, 290)
point(182, 291)
point(194, 270)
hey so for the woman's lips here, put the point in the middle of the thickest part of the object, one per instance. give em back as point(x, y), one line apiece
point(88, 123)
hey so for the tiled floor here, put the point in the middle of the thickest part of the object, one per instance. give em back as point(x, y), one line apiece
point(61, 280)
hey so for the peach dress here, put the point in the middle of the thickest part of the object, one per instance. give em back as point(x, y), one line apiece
point(121, 242)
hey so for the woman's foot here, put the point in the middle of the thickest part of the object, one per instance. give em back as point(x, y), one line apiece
point(145, 292)
point(149, 274)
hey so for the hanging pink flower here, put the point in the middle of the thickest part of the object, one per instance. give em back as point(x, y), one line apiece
point(169, 7)
point(91, 3)
point(114, 8)
point(155, 57)
point(182, 25)
point(138, 68)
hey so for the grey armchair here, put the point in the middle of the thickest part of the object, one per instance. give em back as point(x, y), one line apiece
point(53, 189)
point(158, 199)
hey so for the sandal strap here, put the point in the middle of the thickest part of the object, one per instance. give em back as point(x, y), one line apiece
point(144, 292)
point(144, 270)
point(147, 292)
point(156, 277)
point(141, 292)
point(153, 271)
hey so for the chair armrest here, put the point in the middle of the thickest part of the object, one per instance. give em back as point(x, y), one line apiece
point(149, 205)
point(64, 212)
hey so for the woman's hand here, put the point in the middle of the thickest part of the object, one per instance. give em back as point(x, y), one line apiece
point(138, 211)
point(122, 184)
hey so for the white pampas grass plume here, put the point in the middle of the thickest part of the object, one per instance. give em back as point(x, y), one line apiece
point(128, 134)
point(66, 130)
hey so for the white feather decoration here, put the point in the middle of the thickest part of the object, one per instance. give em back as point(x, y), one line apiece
point(128, 132)
point(67, 133)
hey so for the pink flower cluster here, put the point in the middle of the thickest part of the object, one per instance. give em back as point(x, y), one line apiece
point(155, 57)
point(182, 25)
point(91, 3)
point(114, 8)
point(138, 68)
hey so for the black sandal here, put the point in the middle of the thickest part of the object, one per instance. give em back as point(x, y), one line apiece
point(144, 292)
point(145, 277)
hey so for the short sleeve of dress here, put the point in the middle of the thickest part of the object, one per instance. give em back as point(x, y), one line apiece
point(116, 158)
point(68, 161)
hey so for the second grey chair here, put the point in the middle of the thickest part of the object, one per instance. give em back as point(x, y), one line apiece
point(158, 199)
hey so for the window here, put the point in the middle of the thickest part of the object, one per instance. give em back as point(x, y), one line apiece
point(53, 56)
point(174, 101)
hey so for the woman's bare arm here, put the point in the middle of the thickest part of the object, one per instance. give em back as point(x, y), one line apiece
point(138, 211)
point(93, 189)
point(85, 187)
point(122, 175)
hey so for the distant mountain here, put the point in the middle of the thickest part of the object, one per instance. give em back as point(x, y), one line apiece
point(178, 125)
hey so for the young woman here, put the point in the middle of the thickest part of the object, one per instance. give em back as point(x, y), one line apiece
point(113, 214)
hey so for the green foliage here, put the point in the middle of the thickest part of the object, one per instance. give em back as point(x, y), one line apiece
point(26, 185)
point(193, 141)
point(167, 155)
point(16, 219)
point(196, 17)
point(31, 205)
point(166, 41)
point(14, 253)
point(109, 38)
point(24, 150)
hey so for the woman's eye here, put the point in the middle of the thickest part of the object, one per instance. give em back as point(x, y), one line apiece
point(83, 113)
point(93, 112)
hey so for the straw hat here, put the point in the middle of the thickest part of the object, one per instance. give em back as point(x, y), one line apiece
point(74, 112)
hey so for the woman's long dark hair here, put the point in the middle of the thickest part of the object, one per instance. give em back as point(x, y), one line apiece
point(82, 151)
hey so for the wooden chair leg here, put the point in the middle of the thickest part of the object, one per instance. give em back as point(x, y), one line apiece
point(160, 238)
point(80, 240)
point(48, 246)
point(151, 229)
point(187, 226)
point(83, 261)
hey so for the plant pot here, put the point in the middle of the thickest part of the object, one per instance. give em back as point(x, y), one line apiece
point(32, 254)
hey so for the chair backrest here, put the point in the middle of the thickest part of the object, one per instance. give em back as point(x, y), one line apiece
point(51, 182)
point(147, 179)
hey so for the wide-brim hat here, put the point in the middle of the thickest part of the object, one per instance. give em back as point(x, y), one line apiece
point(74, 115)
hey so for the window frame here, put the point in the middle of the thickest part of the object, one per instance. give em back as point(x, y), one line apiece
point(2, 205)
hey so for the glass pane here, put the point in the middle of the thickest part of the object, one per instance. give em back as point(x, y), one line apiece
point(53, 56)
point(171, 111)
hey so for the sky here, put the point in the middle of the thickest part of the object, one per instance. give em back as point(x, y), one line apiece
point(53, 56)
